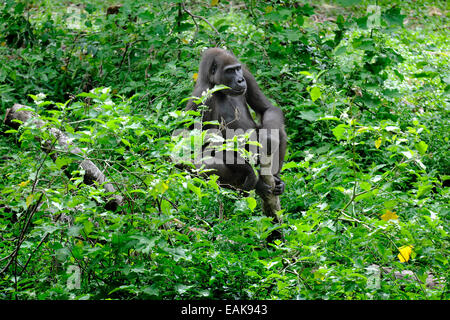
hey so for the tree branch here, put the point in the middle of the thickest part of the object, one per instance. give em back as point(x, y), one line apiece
point(92, 172)
point(199, 17)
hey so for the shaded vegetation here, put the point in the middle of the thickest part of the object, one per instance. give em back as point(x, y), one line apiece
point(365, 90)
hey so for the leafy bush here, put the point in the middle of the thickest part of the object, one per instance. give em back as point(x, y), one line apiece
point(365, 95)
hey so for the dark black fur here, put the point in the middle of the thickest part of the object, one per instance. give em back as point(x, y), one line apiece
point(230, 108)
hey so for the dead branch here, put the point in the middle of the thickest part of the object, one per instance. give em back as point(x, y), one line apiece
point(431, 281)
point(92, 172)
point(193, 16)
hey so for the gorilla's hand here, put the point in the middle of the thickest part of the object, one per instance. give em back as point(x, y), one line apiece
point(279, 186)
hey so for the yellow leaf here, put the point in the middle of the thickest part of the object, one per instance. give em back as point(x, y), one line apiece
point(64, 68)
point(184, 41)
point(161, 187)
point(389, 215)
point(269, 9)
point(362, 129)
point(214, 2)
point(195, 76)
point(319, 274)
point(378, 143)
point(405, 253)
point(3, 44)
point(24, 183)
point(29, 200)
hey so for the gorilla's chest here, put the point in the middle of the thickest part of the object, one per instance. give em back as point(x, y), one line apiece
point(233, 113)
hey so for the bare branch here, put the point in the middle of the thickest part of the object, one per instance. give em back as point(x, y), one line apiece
point(199, 17)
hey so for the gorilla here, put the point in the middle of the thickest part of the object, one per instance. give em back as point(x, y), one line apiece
point(230, 108)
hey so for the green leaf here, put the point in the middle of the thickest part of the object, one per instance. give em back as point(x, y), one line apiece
point(292, 35)
point(365, 185)
point(363, 43)
point(62, 162)
point(390, 204)
point(339, 131)
point(315, 93)
point(251, 203)
point(75, 230)
point(87, 95)
point(421, 147)
point(126, 142)
point(393, 17)
point(181, 288)
point(369, 100)
point(137, 191)
point(145, 243)
point(77, 250)
point(309, 115)
point(363, 196)
point(151, 290)
point(195, 189)
point(424, 189)
point(340, 50)
point(391, 93)
point(212, 182)
point(347, 3)
point(88, 227)
point(289, 165)
point(146, 15)
point(62, 254)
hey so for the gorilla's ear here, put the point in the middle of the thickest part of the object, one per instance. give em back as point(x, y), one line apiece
point(213, 67)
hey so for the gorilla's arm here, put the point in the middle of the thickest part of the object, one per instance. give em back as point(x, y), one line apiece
point(271, 118)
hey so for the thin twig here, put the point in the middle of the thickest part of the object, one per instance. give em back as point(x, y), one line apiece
point(199, 17)
point(21, 238)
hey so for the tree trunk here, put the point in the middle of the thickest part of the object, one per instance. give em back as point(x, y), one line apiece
point(92, 173)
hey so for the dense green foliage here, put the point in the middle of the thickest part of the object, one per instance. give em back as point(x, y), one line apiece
point(365, 91)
